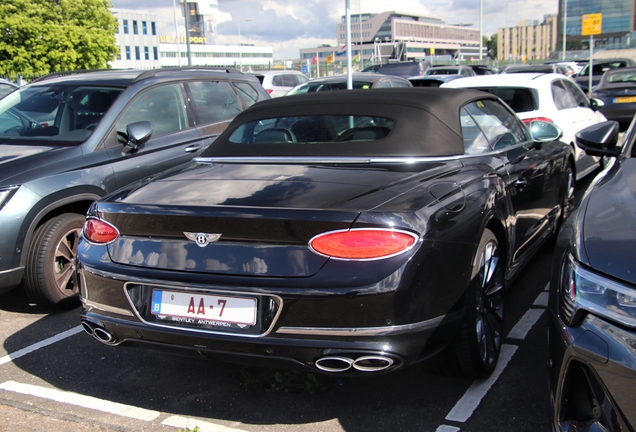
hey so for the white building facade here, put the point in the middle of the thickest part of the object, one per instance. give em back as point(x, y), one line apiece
point(137, 40)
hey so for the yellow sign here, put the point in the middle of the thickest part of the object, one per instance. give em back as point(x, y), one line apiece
point(330, 58)
point(592, 24)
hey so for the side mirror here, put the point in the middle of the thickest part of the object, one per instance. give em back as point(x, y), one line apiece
point(595, 104)
point(599, 139)
point(138, 133)
point(542, 131)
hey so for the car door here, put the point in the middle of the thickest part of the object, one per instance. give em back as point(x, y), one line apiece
point(574, 109)
point(174, 138)
point(532, 187)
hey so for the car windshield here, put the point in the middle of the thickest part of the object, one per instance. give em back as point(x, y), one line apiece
point(57, 113)
point(621, 77)
point(313, 130)
point(311, 87)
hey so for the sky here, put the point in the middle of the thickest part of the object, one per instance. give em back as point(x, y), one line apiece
point(288, 25)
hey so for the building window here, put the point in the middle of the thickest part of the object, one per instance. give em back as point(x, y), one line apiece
point(155, 51)
point(125, 26)
point(127, 52)
point(153, 28)
point(144, 28)
point(137, 56)
point(135, 27)
point(146, 53)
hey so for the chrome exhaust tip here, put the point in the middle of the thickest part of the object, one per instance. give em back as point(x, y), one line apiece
point(334, 364)
point(372, 363)
point(98, 332)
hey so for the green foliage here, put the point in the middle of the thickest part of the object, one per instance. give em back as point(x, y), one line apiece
point(492, 46)
point(42, 36)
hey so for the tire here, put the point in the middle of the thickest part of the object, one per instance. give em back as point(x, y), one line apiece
point(50, 278)
point(481, 335)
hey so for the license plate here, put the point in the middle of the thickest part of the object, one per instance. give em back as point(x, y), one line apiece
point(625, 99)
point(235, 310)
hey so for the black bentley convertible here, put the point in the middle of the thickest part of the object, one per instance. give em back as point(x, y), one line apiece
point(349, 232)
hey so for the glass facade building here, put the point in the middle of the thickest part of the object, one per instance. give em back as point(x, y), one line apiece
point(617, 24)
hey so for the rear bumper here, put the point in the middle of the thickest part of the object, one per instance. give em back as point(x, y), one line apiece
point(592, 375)
point(622, 113)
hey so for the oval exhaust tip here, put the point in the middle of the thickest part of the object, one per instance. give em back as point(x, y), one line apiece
point(103, 335)
point(88, 327)
point(372, 363)
point(334, 364)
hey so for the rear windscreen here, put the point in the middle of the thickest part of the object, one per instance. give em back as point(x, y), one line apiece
point(313, 129)
point(520, 99)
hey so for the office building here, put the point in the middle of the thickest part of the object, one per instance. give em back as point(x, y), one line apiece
point(528, 41)
point(401, 36)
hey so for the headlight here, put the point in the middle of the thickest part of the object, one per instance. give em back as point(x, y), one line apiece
point(583, 291)
point(6, 193)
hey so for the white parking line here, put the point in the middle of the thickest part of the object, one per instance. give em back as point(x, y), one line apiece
point(81, 400)
point(184, 423)
point(521, 329)
point(464, 408)
point(36, 346)
point(542, 300)
point(446, 428)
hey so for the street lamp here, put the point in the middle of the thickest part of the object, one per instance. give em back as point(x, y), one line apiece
point(239, 42)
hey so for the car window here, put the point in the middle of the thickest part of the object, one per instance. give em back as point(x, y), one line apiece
point(247, 94)
point(5, 89)
point(302, 79)
point(162, 105)
point(399, 84)
point(383, 84)
point(475, 142)
point(214, 101)
point(315, 129)
point(577, 93)
point(520, 99)
point(501, 127)
point(563, 99)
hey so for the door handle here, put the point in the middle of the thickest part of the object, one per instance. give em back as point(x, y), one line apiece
point(192, 149)
point(521, 182)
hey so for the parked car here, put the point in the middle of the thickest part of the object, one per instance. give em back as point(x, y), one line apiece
point(464, 71)
point(327, 232)
point(279, 82)
point(404, 69)
point(592, 313)
point(483, 69)
point(534, 68)
point(88, 134)
point(432, 80)
point(360, 81)
point(599, 67)
point(6, 87)
point(550, 97)
point(617, 91)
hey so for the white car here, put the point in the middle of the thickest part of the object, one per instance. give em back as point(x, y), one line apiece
point(548, 97)
point(279, 82)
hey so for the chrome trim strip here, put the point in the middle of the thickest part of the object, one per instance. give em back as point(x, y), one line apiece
point(210, 291)
point(323, 160)
point(106, 308)
point(362, 331)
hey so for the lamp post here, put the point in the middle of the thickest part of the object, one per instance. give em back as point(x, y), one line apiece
point(564, 16)
point(239, 42)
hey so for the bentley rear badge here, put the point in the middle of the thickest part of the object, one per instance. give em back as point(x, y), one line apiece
point(202, 239)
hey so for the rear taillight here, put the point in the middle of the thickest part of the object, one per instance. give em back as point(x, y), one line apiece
point(99, 231)
point(269, 91)
point(544, 119)
point(363, 244)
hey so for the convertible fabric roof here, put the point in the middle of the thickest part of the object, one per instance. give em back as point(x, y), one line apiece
point(426, 122)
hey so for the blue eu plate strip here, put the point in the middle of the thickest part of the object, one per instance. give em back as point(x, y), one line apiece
point(156, 302)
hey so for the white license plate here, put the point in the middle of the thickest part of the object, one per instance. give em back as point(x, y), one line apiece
point(236, 310)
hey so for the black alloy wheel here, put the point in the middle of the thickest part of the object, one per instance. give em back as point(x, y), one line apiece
point(482, 333)
point(50, 278)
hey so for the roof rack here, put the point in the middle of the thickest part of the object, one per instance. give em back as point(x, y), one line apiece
point(66, 73)
point(154, 72)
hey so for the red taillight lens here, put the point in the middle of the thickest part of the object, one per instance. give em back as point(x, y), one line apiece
point(98, 231)
point(362, 244)
point(269, 91)
point(545, 119)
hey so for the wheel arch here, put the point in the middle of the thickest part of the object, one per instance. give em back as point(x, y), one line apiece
point(69, 204)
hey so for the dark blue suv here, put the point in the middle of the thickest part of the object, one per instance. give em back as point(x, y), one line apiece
point(68, 139)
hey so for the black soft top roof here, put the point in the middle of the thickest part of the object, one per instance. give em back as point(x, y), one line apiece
point(426, 122)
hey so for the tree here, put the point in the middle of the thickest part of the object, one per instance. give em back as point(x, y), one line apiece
point(42, 36)
point(492, 46)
